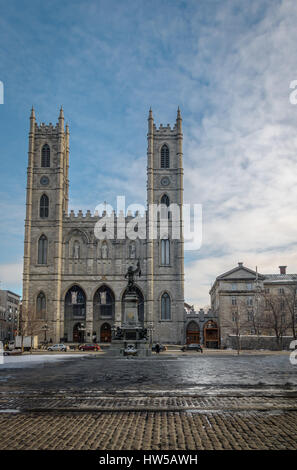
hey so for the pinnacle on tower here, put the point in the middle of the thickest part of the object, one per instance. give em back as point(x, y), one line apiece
point(61, 115)
point(32, 116)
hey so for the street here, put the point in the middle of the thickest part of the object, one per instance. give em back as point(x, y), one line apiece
point(168, 401)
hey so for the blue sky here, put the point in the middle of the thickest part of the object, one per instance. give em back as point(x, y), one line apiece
point(227, 64)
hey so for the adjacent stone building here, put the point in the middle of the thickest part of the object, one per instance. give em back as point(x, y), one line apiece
point(201, 327)
point(258, 308)
point(9, 314)
point(74, 265)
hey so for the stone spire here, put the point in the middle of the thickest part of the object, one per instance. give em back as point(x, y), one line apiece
point(150, 122)
point(61, 115)
point(32, 120)
point(179, 120)
point(32, 116)
point(61, 119)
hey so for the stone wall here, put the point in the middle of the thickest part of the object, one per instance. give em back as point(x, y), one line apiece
point(259, 342)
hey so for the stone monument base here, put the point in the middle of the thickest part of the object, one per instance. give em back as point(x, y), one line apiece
point(130, 348)
point(130, 340)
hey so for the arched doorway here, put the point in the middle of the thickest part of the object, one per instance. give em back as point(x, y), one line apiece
point(105, 333)
point(211, 335)
point(74, 314)
point(193, 333)
point(140, 306)
point(78, 333)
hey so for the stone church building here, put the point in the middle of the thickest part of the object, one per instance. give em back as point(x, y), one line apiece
point(74, 281)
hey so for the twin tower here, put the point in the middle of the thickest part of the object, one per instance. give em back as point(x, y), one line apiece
point(73, 282)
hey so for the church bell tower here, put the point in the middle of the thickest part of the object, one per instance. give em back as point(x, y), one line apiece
point(46, 201)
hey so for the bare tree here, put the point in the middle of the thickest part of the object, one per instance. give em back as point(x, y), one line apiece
point(31, 325)
point(237, 321)
point(290, 298)
point(277, 318)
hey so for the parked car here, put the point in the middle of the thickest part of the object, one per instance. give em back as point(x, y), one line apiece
point(57, 347)
point(14, 352)
point(192, 347)
point(89, 347)
point(162, 347)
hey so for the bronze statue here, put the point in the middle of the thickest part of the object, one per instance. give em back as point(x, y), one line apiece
point(130, 274)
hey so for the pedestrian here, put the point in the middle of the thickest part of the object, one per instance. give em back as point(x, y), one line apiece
point(157, 349)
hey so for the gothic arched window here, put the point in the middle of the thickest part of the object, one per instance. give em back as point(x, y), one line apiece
point(165, 307)
point(104, 302)
point(42, 250)
point(44, 206)
point(41, 305)
point(165, 252)
point(165, 203)
point(75, 303)
point(164, 156)
point(45, 156)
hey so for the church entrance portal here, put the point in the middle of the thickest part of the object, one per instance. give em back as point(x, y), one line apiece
point(193, 333)
point(78, 333)
point(105, 333)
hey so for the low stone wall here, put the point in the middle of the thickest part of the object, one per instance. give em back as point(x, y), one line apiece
point(258, 342)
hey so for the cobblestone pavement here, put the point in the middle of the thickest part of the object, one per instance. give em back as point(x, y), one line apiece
point(148, 431)
point(162, 403)
point(135, 402)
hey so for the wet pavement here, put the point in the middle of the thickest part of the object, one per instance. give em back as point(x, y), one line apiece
point(170, 401)
point(163, 372)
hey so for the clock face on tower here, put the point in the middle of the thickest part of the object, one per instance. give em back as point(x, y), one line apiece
point(165, 181)
point(44, 180)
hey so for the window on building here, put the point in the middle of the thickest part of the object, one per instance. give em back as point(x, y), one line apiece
point(250, 315)
point(249, 286)
point(234, 316)
point(249, 301)
point(165, 252)
point(42, 250)
point(164, 156)
point(45, 156)
point(75, 303)
point(41, 305)
point(233, 300)
point(104, 302)
point(234, 286)
point(266, 290)
point(44, 206)
point(165, 203)
point(281, 291)
point(165, 307)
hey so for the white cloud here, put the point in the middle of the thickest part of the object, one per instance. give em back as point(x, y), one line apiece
point(11, 276)
point(240, 162)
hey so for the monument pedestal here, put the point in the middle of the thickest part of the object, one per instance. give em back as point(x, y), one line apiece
point(131, 338)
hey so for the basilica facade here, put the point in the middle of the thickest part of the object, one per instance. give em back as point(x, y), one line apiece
point(74, 282)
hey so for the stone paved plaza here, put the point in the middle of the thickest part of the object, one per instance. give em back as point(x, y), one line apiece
point(171, 401)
